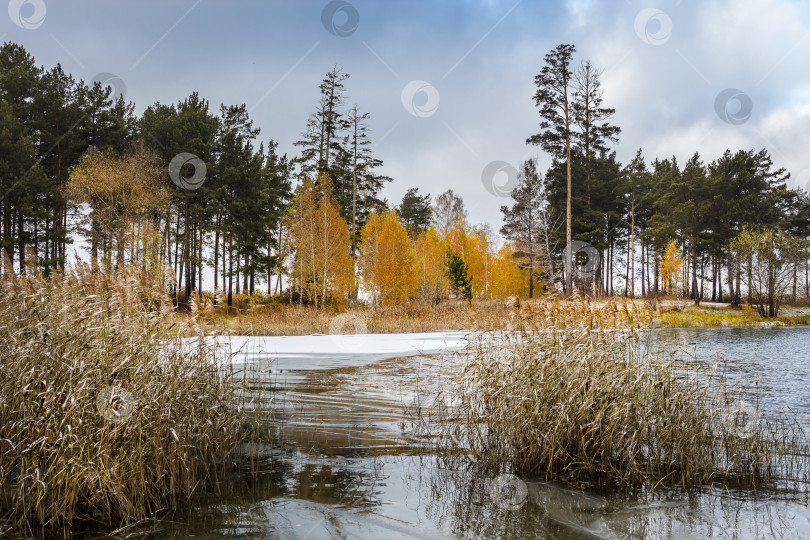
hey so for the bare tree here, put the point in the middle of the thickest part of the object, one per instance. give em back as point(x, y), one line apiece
point(449, 208)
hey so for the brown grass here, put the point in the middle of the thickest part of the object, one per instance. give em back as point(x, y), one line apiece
point(281, 319)
point(571, 396)
point(107, 416)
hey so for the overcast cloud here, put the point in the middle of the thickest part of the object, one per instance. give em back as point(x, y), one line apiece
point(664, 65)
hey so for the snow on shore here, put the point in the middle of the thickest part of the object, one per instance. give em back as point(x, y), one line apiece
point(320, 351)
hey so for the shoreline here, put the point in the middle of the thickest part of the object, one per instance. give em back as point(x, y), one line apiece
point(281, 319)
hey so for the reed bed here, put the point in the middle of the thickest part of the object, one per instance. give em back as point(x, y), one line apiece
point(282, 319)
point(573, 396)
point(109, 414)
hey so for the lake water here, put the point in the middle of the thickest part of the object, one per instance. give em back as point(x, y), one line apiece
point(348, 466)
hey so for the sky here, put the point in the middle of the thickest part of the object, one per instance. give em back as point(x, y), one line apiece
point(449, 84)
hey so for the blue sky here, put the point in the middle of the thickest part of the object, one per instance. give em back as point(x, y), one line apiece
point(664, 65)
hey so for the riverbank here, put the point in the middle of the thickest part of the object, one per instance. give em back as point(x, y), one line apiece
point(679, 314)
point(282, 319)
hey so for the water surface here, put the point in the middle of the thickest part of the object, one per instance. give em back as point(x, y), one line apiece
point(347, 464)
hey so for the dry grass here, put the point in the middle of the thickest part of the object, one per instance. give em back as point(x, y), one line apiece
point(107, 416)
point(707, 315)
point(280, 319)
point(572, 397)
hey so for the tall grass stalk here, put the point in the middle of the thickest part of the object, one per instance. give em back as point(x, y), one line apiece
point(572, 395)
point(108, 413)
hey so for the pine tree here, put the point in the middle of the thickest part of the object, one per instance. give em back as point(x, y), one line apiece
point(554, 97)
point(356, 182)
point(457, 271)
point(591, 118)
point(325, 127)
point(415, 212)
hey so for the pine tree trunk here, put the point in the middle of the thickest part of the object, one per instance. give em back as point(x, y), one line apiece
point(632, 254)
point(216, 254)
point(230, 269)
point(627, 270)
point(568, 262)
point(200, 264)
point(694, 273)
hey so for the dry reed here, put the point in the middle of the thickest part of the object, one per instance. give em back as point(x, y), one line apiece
point(108, 413)
point(282, 319)
point(573, 396)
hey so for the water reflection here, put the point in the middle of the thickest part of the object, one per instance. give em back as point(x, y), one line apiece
point(415, 497)
point(559, 511)
point(345, 463)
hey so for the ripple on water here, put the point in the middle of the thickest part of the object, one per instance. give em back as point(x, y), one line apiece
point(347, 469)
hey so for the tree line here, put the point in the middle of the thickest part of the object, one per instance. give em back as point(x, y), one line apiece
point(188, 187)
point(630, 214)
point(191, 187)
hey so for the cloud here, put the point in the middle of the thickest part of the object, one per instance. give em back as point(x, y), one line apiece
point(480, 56)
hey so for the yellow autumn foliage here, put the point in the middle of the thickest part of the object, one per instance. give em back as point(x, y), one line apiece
point(319, 244)
point(430, 254)
point(123, 192)
point(671, 268)
point(475, 246)
point(388, 259)
point(507, 278)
